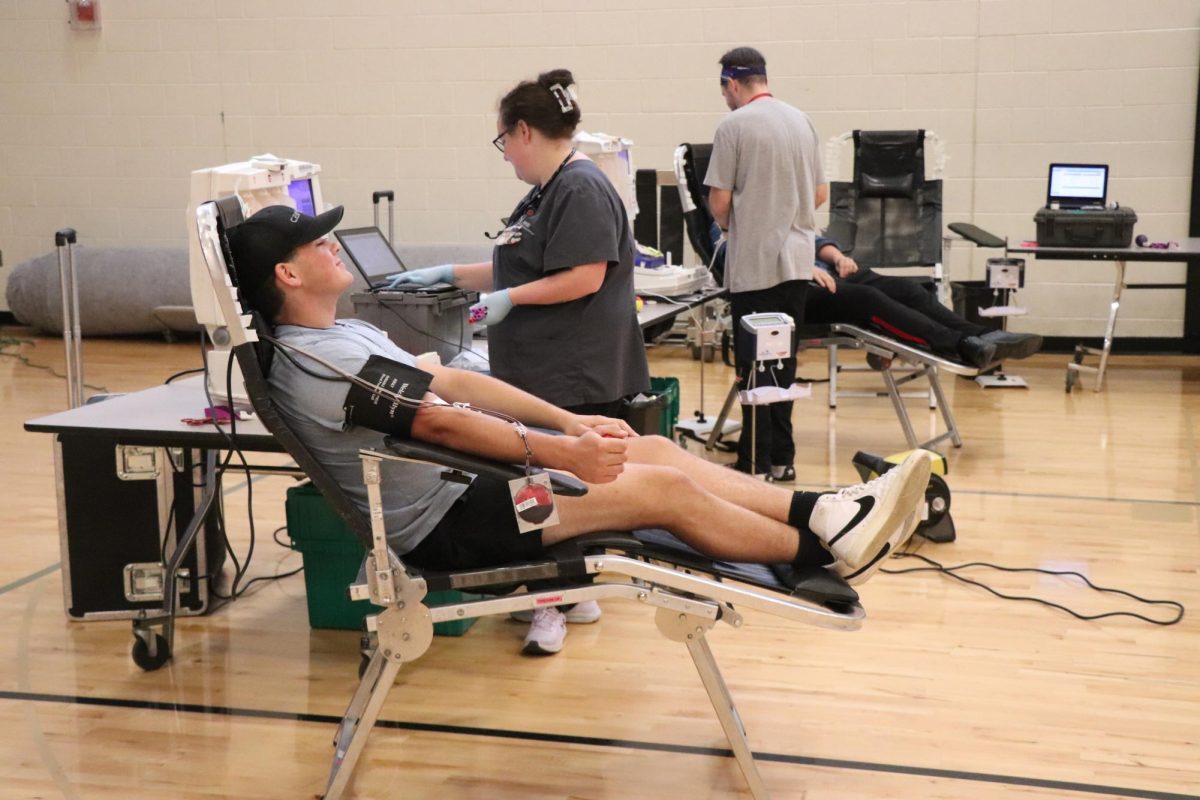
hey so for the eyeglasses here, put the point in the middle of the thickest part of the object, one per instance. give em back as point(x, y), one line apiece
point(498, 142)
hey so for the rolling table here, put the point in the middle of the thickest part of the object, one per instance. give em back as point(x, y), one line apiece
point(656, 310)
point(1188, 249)
point(85, 438)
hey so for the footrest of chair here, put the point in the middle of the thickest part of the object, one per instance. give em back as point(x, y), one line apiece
point(816, 584)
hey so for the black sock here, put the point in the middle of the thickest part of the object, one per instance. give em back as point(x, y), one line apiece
point(811, 551)
point(801, 510)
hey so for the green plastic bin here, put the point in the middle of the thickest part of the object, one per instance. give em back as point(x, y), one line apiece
point(670, 388)
point(332, 557)
point(657, 412)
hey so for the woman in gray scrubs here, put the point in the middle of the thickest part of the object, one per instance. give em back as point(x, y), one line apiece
point(560, 314)
point(561, 319)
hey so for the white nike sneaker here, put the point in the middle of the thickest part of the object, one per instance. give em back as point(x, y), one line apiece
point(857, 523)
point(584, 613)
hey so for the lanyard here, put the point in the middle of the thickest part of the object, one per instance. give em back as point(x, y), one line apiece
point(757, 96)
point(531, 203)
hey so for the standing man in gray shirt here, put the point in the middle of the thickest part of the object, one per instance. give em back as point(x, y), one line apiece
point(765, 184)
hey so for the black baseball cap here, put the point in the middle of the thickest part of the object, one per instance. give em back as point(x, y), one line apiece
point(270, 236)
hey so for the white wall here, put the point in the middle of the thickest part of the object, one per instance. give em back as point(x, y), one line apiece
point(98, 130)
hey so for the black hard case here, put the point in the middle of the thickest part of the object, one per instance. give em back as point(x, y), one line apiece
point(1105, 227)
point(106, 522)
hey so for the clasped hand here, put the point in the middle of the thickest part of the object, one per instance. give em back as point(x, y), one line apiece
point(596, 458)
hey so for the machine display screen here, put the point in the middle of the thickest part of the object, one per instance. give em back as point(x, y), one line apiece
point(302, 192)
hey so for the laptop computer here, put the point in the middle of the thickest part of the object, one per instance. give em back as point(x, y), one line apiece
point(374, 260)
point(1077, 186)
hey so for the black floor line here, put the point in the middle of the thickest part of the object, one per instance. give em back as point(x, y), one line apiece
point(592, 741)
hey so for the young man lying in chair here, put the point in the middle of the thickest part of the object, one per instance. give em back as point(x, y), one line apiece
point(903, 308)
point(907, 311)
point(289, 271)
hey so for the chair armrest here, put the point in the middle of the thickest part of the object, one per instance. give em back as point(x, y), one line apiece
point(976, 235)
point(567, 485)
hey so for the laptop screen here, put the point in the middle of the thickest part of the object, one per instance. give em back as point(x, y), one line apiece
point(370, 253)
point(1077, 185)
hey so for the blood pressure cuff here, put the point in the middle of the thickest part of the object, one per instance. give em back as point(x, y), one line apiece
point(374, 409)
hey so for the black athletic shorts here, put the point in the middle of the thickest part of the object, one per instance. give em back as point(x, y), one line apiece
point(479, 530)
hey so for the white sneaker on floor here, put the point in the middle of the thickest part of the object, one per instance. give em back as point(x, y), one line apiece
point(857, 523)
point(546, 632)
point(584, 613)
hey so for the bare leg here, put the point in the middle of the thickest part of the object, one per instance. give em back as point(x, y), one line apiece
point(649, 495)
point(728, 484)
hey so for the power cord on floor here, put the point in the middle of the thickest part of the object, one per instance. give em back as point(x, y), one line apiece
point(9, 341)
point(952, 572)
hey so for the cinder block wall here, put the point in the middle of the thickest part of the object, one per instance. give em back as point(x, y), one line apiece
point(99, 130)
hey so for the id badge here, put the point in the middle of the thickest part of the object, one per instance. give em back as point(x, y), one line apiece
point(509, 236)
point(533, 502)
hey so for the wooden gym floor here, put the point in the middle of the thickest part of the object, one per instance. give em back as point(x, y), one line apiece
point(946, 692)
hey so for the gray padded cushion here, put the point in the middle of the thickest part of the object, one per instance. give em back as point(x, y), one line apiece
point(146, 290)
point(119, 290)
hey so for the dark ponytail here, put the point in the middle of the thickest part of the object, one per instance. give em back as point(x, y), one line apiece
point(548, 105)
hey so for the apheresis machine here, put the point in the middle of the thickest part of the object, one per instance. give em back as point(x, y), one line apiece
point(652, 276)
point(262, 181)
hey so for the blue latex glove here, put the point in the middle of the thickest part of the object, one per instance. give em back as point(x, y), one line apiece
point(443, 273)
point(492, 308)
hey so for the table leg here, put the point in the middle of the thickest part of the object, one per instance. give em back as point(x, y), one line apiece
point(1113, 308)
point(1109, 331)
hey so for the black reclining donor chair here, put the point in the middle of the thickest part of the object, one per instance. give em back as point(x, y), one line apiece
point(889, 215)
point(690, 593)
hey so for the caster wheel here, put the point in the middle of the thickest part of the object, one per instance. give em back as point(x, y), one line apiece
point(363, 662)
point(878, 362)
point(707, 353)
point(141, 653)
point(1071, 377)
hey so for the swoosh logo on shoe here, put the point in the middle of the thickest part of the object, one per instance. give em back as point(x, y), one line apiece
point(882, 554)
point(865, 504)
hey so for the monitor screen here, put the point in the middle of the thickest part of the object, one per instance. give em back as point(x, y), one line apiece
point(301, 192)
point(1077, 184)
point(370, 253)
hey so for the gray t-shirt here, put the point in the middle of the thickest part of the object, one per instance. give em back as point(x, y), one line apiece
point(415, 498)
point(767, 153)
point(588, 350)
